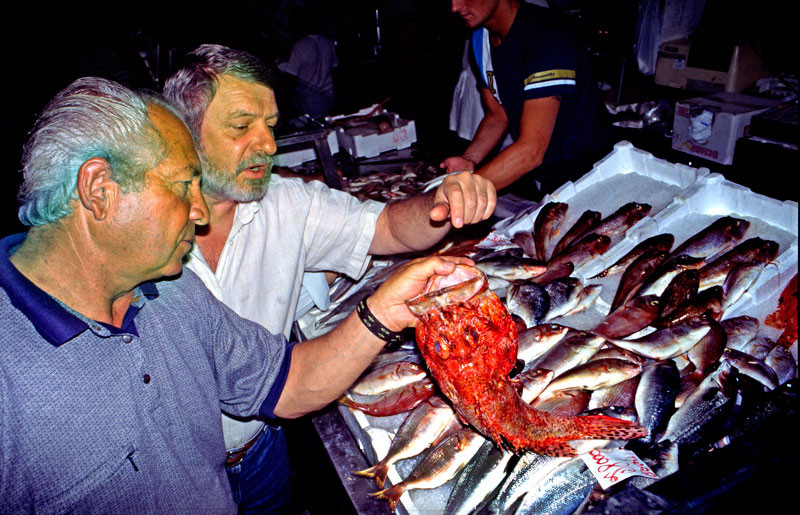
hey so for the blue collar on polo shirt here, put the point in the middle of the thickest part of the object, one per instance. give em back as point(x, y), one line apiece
point(53, 320)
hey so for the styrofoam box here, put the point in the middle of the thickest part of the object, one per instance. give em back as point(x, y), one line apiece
point(360, 142)
point(684, 200)
point(304, 155)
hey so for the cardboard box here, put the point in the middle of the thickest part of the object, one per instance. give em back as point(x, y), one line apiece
point(729, 114)
point(732, 72)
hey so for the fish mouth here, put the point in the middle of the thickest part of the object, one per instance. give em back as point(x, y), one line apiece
point(460, 286)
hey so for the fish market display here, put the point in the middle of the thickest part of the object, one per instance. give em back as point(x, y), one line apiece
point(503, 345)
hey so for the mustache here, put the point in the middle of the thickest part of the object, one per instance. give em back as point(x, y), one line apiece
point(256, 159)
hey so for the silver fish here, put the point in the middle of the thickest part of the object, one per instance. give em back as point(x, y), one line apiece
point(417, 432)
point(589, 296)
point(655, 397)
point(740, 330)
point(719, 236)
point(564, 403)
point(751, 367)
point(601, 373)
point(657, 282)
point(709, 349)
point(705, 411)
point(511, 268)
point(561, 492)
point(529, 470)
point(479, 481)
point(758, 347)
point(388, 377)
point(576, 348)
point(529, 301)
point(438, 466)
point(754, 250)
point(564, 294)
point(739, 280)
point(782, 362)
point(661, 242)
point(533, 383)
point(621, 395)
point(536, 340)
point(668, 342)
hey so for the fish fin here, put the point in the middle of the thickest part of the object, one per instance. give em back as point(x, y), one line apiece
point(345, 400)
point(604, 427)
point(391, 494)
point(557, 449)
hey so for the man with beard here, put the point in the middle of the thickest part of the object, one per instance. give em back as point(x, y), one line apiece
point(535, 82)
point(264, 248)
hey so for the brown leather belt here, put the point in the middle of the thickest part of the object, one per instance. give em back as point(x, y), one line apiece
point(235, 457)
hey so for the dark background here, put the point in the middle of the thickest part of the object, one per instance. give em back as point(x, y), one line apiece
point(415, 64)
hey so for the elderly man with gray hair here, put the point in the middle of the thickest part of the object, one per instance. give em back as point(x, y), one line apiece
point(112, 377)
point(274, 238)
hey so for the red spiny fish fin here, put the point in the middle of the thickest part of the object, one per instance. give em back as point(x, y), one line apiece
point(558, 449)
point(392, 494)
point(604, 427)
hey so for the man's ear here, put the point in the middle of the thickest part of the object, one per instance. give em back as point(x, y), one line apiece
point(95, 187)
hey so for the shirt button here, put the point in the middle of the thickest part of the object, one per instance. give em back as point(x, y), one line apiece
point(146, 379)
point(127, 338)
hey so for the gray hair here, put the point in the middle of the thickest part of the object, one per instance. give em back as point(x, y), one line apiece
point(194, 85)
point(92, 117)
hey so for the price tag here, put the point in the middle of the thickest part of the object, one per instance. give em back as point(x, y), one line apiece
point(610, 466)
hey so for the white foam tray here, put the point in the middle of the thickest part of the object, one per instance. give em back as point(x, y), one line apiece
point(360, 142)
point(304, 155)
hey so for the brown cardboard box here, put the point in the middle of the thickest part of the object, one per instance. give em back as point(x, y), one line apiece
point(674, 68)
point(730, 121)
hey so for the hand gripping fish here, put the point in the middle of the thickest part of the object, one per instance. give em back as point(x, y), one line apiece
point(469, 342)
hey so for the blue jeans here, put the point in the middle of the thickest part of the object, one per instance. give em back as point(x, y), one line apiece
point(261, 482)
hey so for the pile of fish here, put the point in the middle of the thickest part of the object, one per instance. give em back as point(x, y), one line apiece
point(664, 357)
point(392, 185)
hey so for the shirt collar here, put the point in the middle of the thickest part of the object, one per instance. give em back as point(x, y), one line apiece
point(52, 320)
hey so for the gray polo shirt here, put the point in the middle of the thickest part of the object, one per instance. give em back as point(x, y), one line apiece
point(95, 419)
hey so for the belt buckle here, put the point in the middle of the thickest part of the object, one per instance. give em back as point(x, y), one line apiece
point(236, 457)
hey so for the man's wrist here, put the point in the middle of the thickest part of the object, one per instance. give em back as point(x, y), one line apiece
point(376, 326)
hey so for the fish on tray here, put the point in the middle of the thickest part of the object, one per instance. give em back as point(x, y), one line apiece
point(469, 341)
point(395, 401)
point(546, 226)
point(583, 225)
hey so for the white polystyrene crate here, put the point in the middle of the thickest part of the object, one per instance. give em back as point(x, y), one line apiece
point(625, 175)
point(304, 155)
point(769, 219)
point(361, 143)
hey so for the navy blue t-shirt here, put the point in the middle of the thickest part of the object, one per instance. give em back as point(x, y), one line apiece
point(543, 56)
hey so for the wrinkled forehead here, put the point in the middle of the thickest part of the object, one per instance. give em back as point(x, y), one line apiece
point(174, 134)
point(235, 95)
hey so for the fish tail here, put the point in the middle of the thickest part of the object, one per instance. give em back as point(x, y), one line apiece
point(391, 494)
point(379, 471)
point(347, 401)
point(604, 427)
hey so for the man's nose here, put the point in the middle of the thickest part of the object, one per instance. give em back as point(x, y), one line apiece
point(198, 209)
point(455, 5)
point(265, 140)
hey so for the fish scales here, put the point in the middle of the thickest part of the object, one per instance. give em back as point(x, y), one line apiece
point(583, 224)
point(662, 242)
point(479, 481)
point(469, 342)
point(417, 432)
point(636, 274)
point(438, 466)
point(655, 397)
point(559, 493)
point(546, 225)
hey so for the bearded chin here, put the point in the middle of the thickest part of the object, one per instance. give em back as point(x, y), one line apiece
point(218, 186)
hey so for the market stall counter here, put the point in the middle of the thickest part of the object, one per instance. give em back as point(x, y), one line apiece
point(678, 288)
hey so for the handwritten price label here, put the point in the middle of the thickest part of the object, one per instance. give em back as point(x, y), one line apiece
point(610, 466)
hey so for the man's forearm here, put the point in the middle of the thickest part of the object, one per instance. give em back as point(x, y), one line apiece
point(406, 226)
point(324, 367)
point(488, 135)
point(509, 165)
